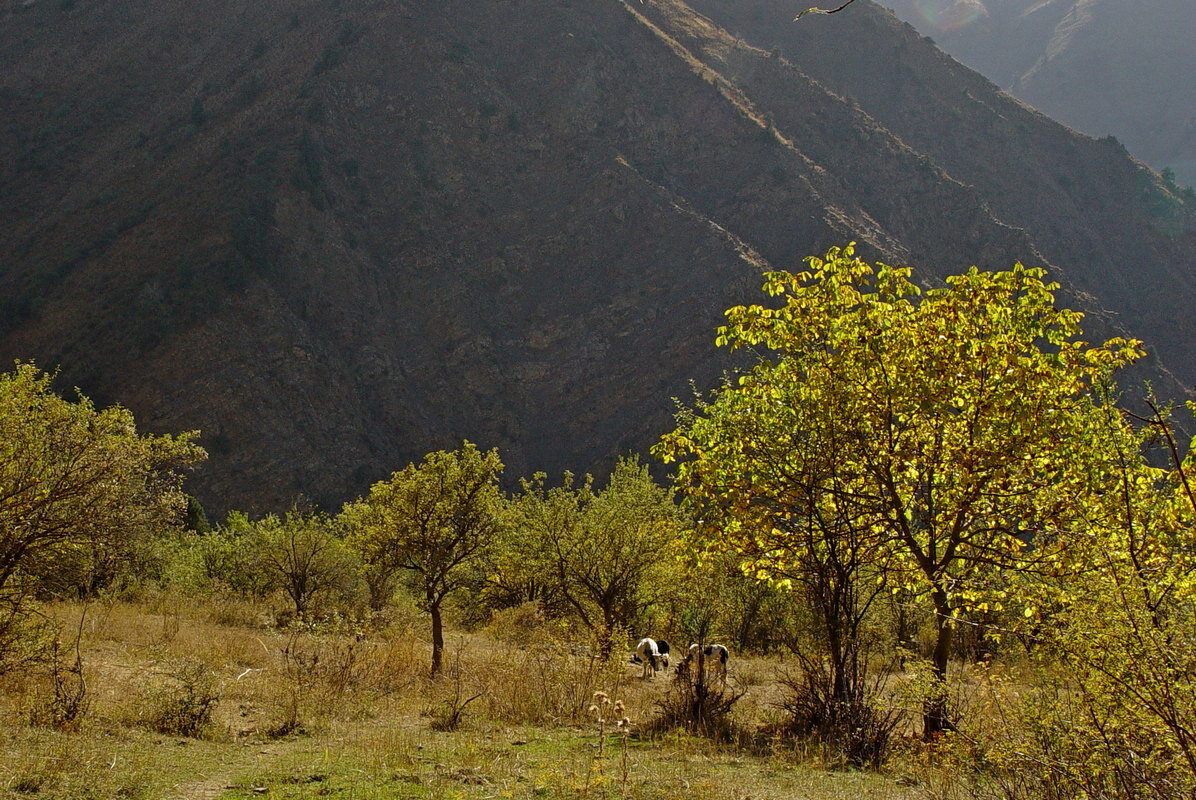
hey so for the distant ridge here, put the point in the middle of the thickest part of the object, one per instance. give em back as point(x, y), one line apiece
point(1105, 67)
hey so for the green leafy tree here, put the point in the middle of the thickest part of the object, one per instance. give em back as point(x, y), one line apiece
point(71, 474)
point(945, 433)
point(522, 568)
point(758, 615)
point(434, 520)
point(229, 556)
point(382, 553)
point(617, 557)
point(302, 554)
point(196, 518)
point(75, 481)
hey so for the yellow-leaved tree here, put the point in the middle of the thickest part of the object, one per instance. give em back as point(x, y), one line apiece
point(1114, 714)
point(886, 434)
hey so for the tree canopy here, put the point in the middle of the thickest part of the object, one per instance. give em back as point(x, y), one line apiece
point(950, 432)
point(72, 474)
point(619, 557)
point(433, 520)
point(79, 487)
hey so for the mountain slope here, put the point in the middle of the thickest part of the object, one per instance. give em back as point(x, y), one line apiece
point(335, 236)
point(1112, 234)
point(1104, 67)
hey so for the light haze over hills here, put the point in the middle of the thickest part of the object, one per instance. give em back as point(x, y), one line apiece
point(1104, 67)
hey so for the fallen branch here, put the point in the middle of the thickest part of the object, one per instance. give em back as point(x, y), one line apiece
point(823, 10)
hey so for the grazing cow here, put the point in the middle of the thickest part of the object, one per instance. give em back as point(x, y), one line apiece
point(715, 657)
point(653, 655)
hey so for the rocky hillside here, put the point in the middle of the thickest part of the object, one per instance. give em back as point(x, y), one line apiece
point(1105, 67)
point(336, 235)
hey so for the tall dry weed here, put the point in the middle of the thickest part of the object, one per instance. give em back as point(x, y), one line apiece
point(323, 675)
point(67, 701)
point(456, 696)
point(541, 684)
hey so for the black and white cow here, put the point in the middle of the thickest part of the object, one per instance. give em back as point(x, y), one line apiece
point(714, 659)
point(652, 654)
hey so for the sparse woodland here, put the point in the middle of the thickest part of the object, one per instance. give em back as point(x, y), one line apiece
point(948, 558)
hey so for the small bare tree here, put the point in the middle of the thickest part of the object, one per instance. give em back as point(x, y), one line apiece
point(302, 554)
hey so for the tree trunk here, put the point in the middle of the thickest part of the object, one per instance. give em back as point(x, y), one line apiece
point(905, 637)
point(934, 717)
point(437, 636)
point(299, 597)
point(381, 588)
point(606, 636)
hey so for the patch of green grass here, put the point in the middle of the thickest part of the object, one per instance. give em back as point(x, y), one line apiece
point(103, 761)
point(369, 761)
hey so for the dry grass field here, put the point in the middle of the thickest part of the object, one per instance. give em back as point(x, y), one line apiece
point(194, 700)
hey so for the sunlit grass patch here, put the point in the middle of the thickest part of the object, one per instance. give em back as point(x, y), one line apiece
point(101, 761)
point(364, 729)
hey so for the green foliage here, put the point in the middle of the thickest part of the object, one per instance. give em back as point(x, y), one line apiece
point(302, 554)
point(605, 558)
point(619, 556)
point(755, 615)
point(26, 637)
point(1185, 193)
point(196, 520)
point(184, 706)
point(435, 521)
point(522, 567)
point(79, 487)
point(229, 556)
point(922, 439)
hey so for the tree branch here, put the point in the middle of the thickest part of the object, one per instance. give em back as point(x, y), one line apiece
point(823, 10)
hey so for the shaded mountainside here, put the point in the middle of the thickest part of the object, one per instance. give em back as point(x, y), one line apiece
point(335, 236)
point(1105, 67)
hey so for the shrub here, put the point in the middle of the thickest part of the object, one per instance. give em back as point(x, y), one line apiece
point(227, 557)
point(698, 705)
point(856, 731)
point(302, 555)
point(68, 703)
point(184, 706)
point(25, 636)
